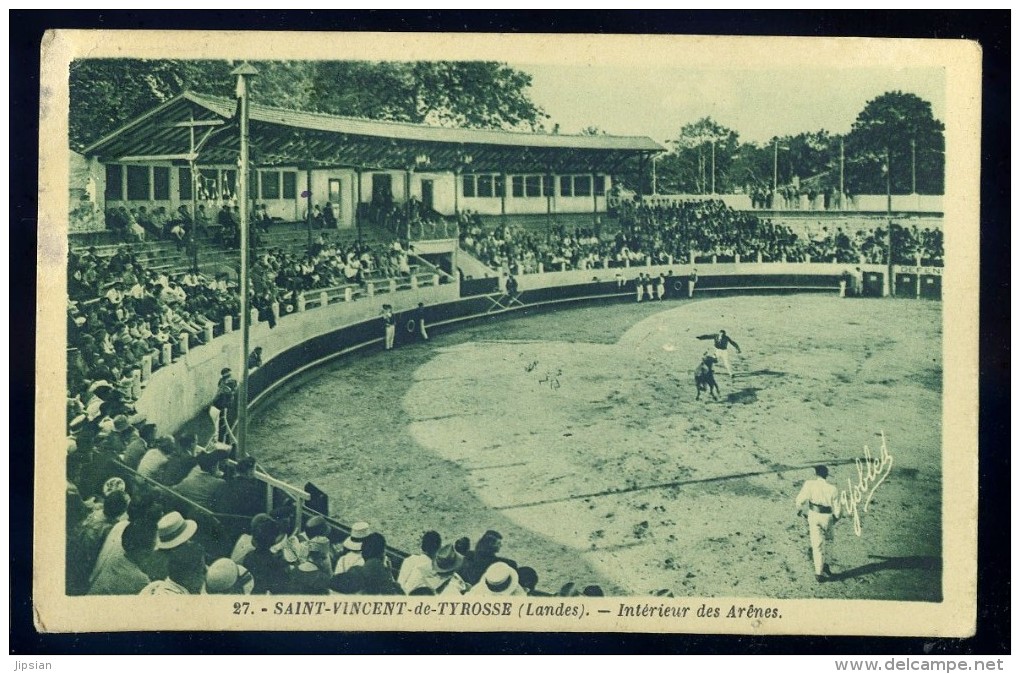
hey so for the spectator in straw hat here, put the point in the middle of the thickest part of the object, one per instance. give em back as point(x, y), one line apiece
point(373, 576)
point(499, 579)
point(416, 569)
point(446, 566)
point(352, 545)
point(225, 576)
point(174, 530)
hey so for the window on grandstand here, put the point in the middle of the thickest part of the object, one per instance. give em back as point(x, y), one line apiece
point(289, 185)
point(485, 186)
point(582, 186)
point(532, 186)
point(184, 183)
point(469, 186)
point(500, 182)
point(566, 186)
point(600, 186)
point(270, 185)
point(114, 182)
point(138, 183)
point(161, 183)
point(517, 184)
point(548, 186)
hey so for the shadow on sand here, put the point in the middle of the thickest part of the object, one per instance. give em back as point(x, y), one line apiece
point(933, 564)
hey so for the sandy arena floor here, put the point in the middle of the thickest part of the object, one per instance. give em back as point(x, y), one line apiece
point(577, 436)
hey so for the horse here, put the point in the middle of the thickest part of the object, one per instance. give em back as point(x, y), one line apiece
point(704, 377)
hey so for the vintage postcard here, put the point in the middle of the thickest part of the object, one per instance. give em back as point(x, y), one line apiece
point(507, 333)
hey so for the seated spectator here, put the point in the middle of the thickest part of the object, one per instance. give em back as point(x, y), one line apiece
point(181, 462)
point(225, 576)
point(417, 570)
point(121, 574)
point(203, 484)
point(87, 540)
point(528, 579)
point(268, 568)
point(499, 579)
point(446, 566)
point(186, 572)
point(483, 556)
point(242, 494)
point(156, 458)
point(352, 554)
point(373, 576)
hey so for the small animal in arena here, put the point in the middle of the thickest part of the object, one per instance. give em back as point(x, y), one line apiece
point(704, 377)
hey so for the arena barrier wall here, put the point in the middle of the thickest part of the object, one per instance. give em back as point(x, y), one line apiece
point(178, 393)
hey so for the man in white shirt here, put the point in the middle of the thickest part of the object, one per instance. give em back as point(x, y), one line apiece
point(417, 570)
point(818, 500)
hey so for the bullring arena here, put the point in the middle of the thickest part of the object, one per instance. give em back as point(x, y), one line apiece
point(617, 476)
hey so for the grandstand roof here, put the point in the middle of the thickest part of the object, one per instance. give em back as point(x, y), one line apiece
point(283, 137)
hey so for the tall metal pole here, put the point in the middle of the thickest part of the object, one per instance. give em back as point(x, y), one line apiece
point(775, 172)
point(243, 72)
point(308, 204)
point(193, 170)
point(842, 164)
point(713, 166)
point(888, 215)
point(913, 166)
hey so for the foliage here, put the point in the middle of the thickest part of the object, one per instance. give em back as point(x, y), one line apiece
point(107, 92)
point(903, 125)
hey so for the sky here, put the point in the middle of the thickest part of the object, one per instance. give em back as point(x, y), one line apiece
point(758, 104)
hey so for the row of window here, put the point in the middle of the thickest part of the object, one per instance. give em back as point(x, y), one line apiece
point(152, 183)
point(492, 185)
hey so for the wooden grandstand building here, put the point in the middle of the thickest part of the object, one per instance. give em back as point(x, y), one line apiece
point(185, 152)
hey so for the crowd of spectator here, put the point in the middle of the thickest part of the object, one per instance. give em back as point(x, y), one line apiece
point(120, 312)
point(157, 515)
point(705, 227)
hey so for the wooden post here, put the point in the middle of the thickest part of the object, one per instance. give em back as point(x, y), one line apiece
point(348, 294)
point(228, 324)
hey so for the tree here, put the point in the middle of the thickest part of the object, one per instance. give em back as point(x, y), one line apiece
point(689, 167)
point(106, 93)
point(480, 94)
point(903, 125)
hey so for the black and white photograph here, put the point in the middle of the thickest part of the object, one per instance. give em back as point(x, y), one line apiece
point(519, 333)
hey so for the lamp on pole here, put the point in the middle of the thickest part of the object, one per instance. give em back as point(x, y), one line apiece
point(243, 72)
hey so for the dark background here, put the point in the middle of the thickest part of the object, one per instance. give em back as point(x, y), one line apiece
point(990, 28)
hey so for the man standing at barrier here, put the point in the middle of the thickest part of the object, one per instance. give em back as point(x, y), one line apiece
point(818, 501)
point(692, 280)
point(389, 324)
point(418, 320)
point(722, 341)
